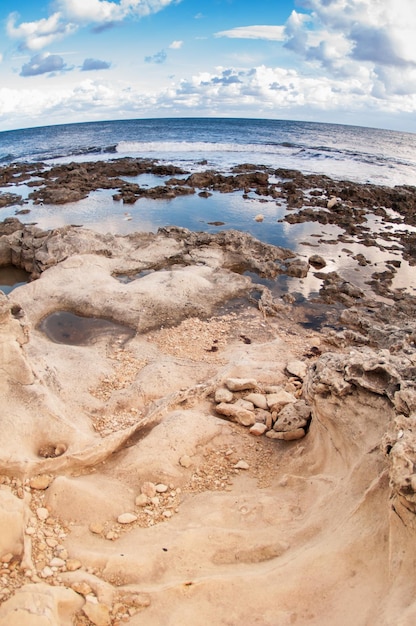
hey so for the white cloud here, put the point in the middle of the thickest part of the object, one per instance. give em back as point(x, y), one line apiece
point(176, 45)
point(273, 33)
point(72, 14)
point(37, 35)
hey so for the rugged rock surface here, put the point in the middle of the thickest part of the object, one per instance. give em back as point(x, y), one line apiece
point(129, 498)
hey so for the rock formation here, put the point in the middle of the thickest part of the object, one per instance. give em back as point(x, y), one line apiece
point(207, 460)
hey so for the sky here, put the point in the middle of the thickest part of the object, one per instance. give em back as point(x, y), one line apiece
point(339, 61)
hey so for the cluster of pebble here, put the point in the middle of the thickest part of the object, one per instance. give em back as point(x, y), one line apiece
point(276, 411)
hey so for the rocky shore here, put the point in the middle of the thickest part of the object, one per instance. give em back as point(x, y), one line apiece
point(178, 445)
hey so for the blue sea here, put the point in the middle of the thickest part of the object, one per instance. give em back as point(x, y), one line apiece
point(347, 152)
point(363, 155)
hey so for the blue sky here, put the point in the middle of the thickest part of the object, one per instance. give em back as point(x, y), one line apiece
point(342, 61)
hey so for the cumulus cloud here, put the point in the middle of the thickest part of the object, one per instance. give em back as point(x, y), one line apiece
point(37, 35)
point(94, 64)
point(43, 64)
point(273, 33)
point(73, 14)
point(159, 57)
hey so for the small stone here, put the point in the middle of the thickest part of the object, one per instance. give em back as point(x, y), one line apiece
point(185, 461)
point(155, 501)
point(30, 530)
point(167, 513)
point(317, 261)
point(297, 368)
point(98, 614)
point(73, 564)
point(141, 500)
point(149, 489)
point(47, 572)
point(96, 528)
point(161, 488)
point(223, 395)
point(259, 217)
point(81, 588)
point(291, 435)
point(238, 414)
point(258, 399)
point(127, 518)
point(51, 542)
point(277, 401)
point(241, 384)
point(57, 562)
point(258, 429)
point(42, 513)
point(241, 465)
point(40, 482)
point(6, 558)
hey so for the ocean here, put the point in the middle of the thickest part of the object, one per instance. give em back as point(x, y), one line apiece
point(352, 153)
point(345, 152)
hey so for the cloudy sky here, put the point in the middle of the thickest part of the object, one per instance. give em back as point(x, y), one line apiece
point(344, 61)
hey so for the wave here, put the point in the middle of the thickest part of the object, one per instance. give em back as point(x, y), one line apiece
point(160, 147)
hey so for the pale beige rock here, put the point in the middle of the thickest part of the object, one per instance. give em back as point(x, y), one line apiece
point(222, 394)
point(297, 368)
point(185, 461)
point(240, 384)
point(73, 564)
point(148, 489)
point(236, 413)
point(242, 465)
point(12, 512)
point(42, 513)
point(41, 605)
point(141, 500)
point(258, 399)
point(98, 614)
point(161, 488)
point(127, 518)
point(276, 401)
point(41, 482)
point(258, 429)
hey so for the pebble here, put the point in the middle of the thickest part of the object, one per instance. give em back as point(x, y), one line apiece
point(47, 572)
point(161, 488)
point(57, 562)
point(127, 518)
point(42, 513)
point(167, 513)
point(242, 465)
point(141, 500)
point(82, 588)
point(258, 429)
point(185, 460)
point(96, 528)
point(297, 368)
point(223, 395)
point(51, 542)
point(40, 482)
point(290, 435)
point(149, 489)
point(258, 399)
point(73, 564)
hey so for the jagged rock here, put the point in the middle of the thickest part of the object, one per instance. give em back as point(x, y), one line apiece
point(297, 368)
point(292, 417)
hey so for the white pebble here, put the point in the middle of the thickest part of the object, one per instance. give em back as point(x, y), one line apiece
point(241, 465)
point(161, 488)
point(126, 518)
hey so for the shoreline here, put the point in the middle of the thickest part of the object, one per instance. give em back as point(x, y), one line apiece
point(212, 445)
